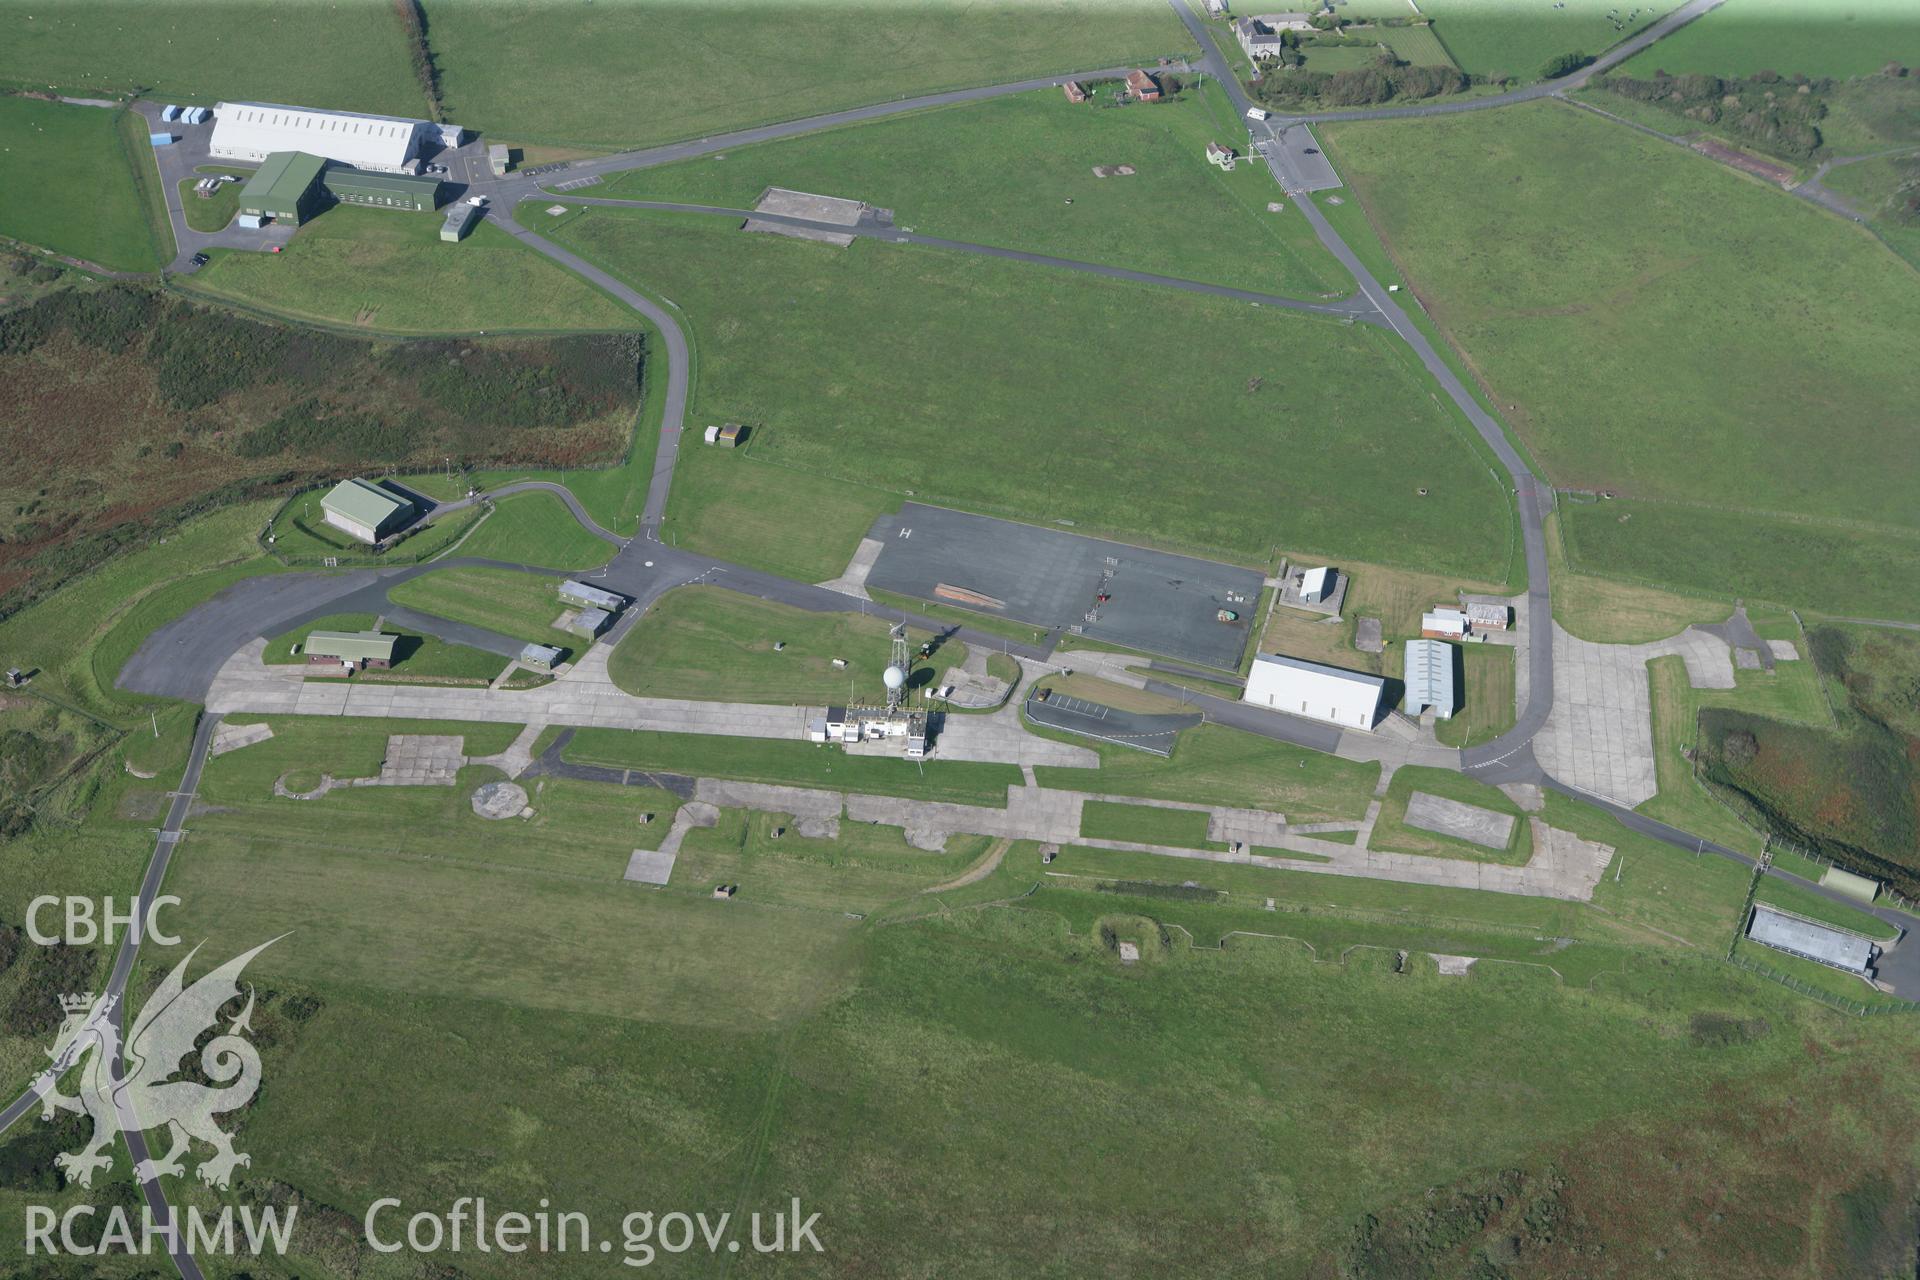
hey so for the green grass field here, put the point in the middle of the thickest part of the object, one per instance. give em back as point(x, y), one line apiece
point(348, 54)
point(536, 528)
point(66, 184)
point(1497, 38)
point(389, 272)
point(1212, 764)
point(1868, 185)
point(704, 642)
point(1143, 824)
point(1845, 38)
point(741, 508)
point(210, 213)
point(566, 76)
point(871, 365)
point(1018, 172)
point(1416, 45)
point(1487, 696)
point(521, 605)
point(686, 1019)
point(1611, 314)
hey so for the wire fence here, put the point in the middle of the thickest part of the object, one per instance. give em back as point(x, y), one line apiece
point(1858, 1008)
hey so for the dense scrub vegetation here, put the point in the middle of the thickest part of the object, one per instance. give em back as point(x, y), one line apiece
point(130, 409)
point(1851, 796)
point(1388, 78)
point(1774, 113)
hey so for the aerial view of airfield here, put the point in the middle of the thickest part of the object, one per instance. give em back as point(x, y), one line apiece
point(919, 638)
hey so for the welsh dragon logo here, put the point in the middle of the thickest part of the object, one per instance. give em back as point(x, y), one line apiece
point(143, 1095)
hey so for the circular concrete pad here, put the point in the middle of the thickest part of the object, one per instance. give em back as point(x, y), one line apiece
point(499, 800)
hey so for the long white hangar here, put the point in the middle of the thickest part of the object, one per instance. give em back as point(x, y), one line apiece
point(1350, 699)
point(252, 131)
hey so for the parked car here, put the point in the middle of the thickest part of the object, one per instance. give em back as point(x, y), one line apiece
point(201, 259)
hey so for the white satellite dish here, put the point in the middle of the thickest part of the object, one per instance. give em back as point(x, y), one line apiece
point(894, 677)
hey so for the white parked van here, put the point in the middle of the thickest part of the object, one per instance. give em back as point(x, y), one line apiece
point(1256, 114)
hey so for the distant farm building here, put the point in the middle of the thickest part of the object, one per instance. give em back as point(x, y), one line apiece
point(252, 131)
point(1075, 91)
point(1811, 940)
point(1443, 624)
point(1259, 36)
point(498, 158)
point(1143, 86)
point(581, 596)
point(1489, 617)
point(350, 649)
point(1350, 699)
point(364, 510)
point(1222, 156)
point(1216, 8)
point(728, 436)
point(1429, 678)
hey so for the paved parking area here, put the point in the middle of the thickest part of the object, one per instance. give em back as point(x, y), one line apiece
point(1468, 822)
point(1156, 602)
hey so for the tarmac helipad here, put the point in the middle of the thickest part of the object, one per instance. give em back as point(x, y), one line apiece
point(1155, 601)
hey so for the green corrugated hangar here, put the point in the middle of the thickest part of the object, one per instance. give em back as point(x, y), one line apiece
point(286, 186)
point(383, 190)
point(292, 186)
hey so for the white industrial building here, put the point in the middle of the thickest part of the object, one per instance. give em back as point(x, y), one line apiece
point(252, 131)
point(1811, 940)
point(1443, 624)
point(1350, 699)
point(1429, 678)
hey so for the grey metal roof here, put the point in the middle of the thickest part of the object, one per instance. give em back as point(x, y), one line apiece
point(367, 503)
point(358, 646)
point(544, 655)
point(1429, 676)
point(579, 592)
point(1810, 940)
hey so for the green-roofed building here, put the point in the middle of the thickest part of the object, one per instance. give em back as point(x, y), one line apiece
point(382, 190)
point(350, 649)
point(286, 186)
point(365, 510)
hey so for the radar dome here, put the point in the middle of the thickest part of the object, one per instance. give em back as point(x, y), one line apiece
point(894, 677)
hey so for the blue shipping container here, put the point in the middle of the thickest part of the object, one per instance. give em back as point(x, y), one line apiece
point(160, 139)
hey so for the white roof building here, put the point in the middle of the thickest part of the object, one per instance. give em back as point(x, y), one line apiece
point(254, 130)
point(1315, 585)
point(1811, 940)
point(1429, 678)
point(1350, 699)
point(1443, 623)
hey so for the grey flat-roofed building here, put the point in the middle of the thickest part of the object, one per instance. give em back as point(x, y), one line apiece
point(575, 592)
point(543, 657)
point(1429, 678)
point(590, 622)
point(1811, 940)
